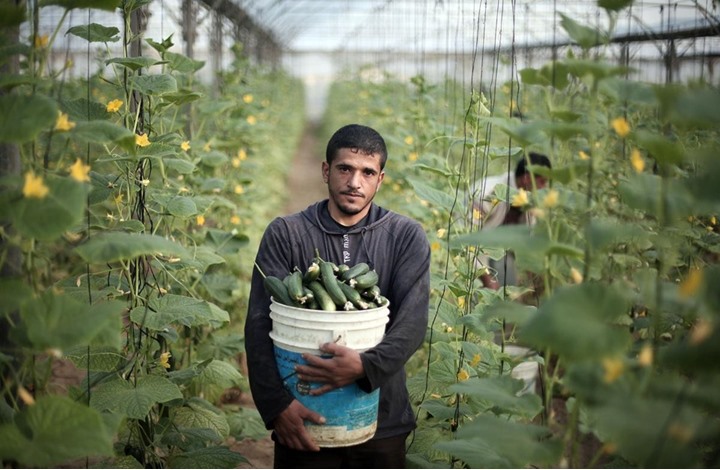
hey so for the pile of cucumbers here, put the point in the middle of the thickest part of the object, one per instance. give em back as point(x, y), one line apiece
point(327, 286)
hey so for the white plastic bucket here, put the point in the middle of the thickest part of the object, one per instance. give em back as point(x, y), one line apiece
point(350, 413)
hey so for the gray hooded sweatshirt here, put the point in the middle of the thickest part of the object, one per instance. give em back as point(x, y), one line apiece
point(392, 244)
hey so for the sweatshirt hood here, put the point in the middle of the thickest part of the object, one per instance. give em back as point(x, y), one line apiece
point(376, 217)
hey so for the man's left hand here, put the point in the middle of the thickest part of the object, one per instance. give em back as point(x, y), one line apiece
point(343, 368)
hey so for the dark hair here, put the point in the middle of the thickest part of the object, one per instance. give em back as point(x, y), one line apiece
point(532, 158)
point(357, 137)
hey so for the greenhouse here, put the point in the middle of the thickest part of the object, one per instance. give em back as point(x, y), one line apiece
point(550, 201)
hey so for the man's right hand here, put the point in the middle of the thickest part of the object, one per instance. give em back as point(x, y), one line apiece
point(290, 430)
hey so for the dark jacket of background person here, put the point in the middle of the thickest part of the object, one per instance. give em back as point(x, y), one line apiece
point(397, 248)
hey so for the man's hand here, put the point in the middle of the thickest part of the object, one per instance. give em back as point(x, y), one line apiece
point(345, 367)
point(290, 430)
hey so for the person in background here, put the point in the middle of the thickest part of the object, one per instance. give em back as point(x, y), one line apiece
point(494, 213)
point(346, 228)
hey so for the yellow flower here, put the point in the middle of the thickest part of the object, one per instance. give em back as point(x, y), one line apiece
point(713, 220)
point(185, 145)
point(645, 358)
point(239, 189)
point(142, 140)
point(576, 276)
point(235, 162)
point(476, 360)
point(235, 220)
point(461, 301)
point(637, 161)
point(200, 220)
point(477, 215)
point(41, 40)
point(114, 106)
point(80, 171)
point(435, 246)
point(25, 396)
point(700, 331)
point(252, 120)
point(463, 375)
point(441, 233)
point(583, 155)
point(691, 284)
point(520, 199)
point(242, 155)
point(165, 360)
point(63, 122)
point(206, 147)
point(613, 367)
point(412, 156)
point(34, 186)
point(621, 126)
point(409, 140)
point(248, 98)
point(551, 199)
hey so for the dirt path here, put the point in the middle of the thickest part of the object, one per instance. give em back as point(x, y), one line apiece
point(304, 186)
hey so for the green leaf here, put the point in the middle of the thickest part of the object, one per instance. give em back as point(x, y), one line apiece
point(102, 358)
point(246, 423)
point(510, 311)
point(182, 63)
point(24, 117)
point(183, 167)
point(599, 70)
point(161, 46)
point(107, 5)
point(110, 247)
point(434, 196)
point(662, 149)
point(697, 108)
point(565, 130)
point(614, 5)
point(54, 431)
point(500, 394)
point(198, 413)
point(104, 132)
point(576, 322)
point(134, 63)
point(628, 91)
point(57, 321)
point(702, 184)
point(584, 36)
point(217, 377)
point(94, 32)
point(11, 14)
point(154, 85)
point(82, 109)
point(171, 308)
point(604, 232)
point(50, 217)
point(13, 292)
point(181, 97)
point(496, 442)
point(209, 457)
point(134, 401)
point(643, 192)
point(214, 159)
point(181, 206)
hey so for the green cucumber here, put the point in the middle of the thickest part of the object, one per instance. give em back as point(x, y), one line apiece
point(295, 286)
point(371, 293)
point(353, 296)
point(322, 298)
point(355, 271)
point(330, 282)
point(342, 268)
point(365, 281)
point(311, 273)
point(277, 290)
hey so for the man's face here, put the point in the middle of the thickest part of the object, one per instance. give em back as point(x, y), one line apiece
point(353, 178)
point(525, 182)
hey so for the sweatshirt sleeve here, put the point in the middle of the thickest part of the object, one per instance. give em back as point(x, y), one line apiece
point(409, 295)
point(268, 392)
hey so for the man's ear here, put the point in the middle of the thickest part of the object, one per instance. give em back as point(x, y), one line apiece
point(325, 171)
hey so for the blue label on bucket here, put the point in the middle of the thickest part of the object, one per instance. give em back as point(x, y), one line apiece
point(348, 406)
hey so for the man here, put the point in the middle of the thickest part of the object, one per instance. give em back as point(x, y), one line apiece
point(494, 212)
point(346, 228)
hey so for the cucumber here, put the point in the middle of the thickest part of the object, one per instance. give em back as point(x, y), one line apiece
point(295, 286)
point(277, 290)
point(343, 268)
point(355, 271)
point(371, 293)
point(311, 273)
point(365, 281)
point(353, 296)
point(382, 301)
point(330, 282)
point(322, 298)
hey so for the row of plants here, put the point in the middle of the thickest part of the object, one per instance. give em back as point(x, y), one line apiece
point(131, 203)
point(619, 302)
